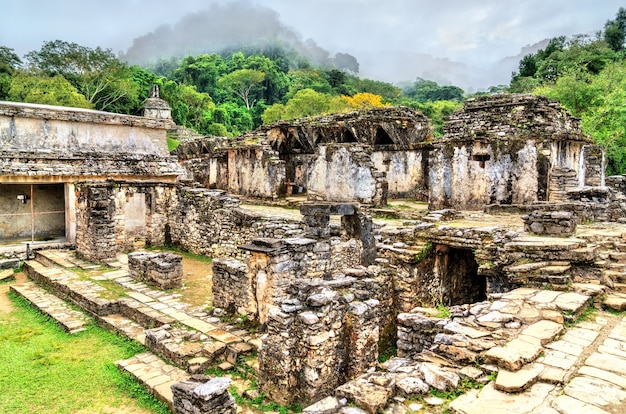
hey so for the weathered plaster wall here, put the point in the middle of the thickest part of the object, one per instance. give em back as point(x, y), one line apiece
point(457, 180)
point(48, 143)
point(18, 222)
point(406, 172)
point(507, 149)
point(343, 173)
point(255, 172)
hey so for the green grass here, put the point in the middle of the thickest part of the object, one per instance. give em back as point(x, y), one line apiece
point(172, 144)
point(44, 369)
point(183, 253)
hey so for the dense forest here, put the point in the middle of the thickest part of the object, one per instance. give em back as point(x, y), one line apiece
point(234, 91)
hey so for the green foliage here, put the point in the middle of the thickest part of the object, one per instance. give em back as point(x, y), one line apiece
point(442, 311)
point(54, 90)
point(244, 83)
point(425, 252)
point(615, 31)
point(96, 73)
point(429, 91)
point(172, 144)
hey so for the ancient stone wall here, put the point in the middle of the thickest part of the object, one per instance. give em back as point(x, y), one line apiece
point(508, 149)
point(360, 180)
point(323, 333)
point(406, 172)
point(43, 142)
point(95, 223)
point(307, 155)
point(163, 270)
point(210, 222)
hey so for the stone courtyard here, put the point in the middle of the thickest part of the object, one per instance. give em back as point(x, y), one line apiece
point(358, 265)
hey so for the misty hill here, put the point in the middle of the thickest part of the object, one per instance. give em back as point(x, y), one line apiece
point(233, 26)
point(243, 25)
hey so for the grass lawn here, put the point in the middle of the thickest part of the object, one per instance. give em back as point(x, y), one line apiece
point(45, 370)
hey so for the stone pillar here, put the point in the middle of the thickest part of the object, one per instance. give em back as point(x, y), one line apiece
point(317, 339)
point(212, 397)
point(95, 223)
point(234, 288)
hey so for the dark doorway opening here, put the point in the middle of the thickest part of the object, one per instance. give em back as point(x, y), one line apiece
point(458, 271)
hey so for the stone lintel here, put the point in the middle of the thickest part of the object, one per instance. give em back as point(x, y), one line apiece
point(264, 245)
point(329, 209)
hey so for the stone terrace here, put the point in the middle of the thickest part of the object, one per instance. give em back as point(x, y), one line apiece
point(186, 339)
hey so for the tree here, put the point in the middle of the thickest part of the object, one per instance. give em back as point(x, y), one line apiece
point(243, 83)
point(305, 102)
point(190, 108)
point(615, 31)
point(9, 62)
point(364, 100)
point(54, 90)
point(429, 91)
point(96, 73)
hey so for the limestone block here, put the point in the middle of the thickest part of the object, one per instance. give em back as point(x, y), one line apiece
point(368, 396)
point(517, 381)
point(506, 358)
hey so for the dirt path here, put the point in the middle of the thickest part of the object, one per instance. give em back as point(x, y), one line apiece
point(6, 305)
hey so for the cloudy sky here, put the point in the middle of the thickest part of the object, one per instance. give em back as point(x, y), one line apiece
point(476, 34)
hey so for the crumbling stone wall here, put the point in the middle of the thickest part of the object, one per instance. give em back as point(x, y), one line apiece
point(307, 155)
point(551, 223)
point(197, 220)
point(103, 225)
point(319, 337)
point(210, 222)
point(508, 149)
point(163, 270)
point(360, 181)
point(406, 172)
point(95, 227)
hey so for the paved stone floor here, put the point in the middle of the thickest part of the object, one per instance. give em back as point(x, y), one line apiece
point(597, 352)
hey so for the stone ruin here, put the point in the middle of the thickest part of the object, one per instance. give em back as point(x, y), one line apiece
point(333, 290)
point(195, 397)
point(380, 153)
point(163, 270)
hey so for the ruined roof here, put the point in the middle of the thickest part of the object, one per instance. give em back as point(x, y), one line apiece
point(513, 116)
point(390, 128)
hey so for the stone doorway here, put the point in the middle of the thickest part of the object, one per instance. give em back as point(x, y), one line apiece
point(32, 212)
point(458, 272)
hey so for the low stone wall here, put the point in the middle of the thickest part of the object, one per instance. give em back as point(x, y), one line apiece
point(212, 397)
point(550, 223)
point(163, 270)
point(233, 287)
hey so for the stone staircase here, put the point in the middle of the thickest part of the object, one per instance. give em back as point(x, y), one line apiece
point(71, 320)
point(182, 339)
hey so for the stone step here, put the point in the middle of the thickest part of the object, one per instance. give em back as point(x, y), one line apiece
point(156, 375)
point(87, 295)
point(143, 314)
point(615, 301)
point(619, 287)
point(71, 320)
point(123, 326)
